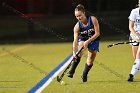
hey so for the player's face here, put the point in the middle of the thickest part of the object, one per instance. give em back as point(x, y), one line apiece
point(80, 15)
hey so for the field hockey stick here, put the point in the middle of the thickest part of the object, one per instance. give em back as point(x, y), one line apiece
point(59, 78)
point(120, 43)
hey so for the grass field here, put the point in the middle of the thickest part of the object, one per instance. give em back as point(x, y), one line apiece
point(23, 65)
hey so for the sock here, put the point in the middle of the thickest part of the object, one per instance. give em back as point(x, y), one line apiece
point(87, 69)
point(74, 65)
point(135, 67)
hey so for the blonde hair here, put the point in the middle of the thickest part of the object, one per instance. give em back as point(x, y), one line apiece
point(80, 7)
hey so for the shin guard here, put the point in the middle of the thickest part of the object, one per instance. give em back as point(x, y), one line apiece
point(74, 65)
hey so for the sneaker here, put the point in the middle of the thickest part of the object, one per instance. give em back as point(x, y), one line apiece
point(84, 78)
point(130, 78)
point(70, 75)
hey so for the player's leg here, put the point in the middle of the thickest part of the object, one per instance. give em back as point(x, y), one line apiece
point(76, 61)
point(89, 64)
point(134, 46)
point(136, 65)
point(93, 47)
point(134, 51)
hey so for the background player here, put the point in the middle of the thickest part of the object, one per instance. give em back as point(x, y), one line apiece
point(134, 27)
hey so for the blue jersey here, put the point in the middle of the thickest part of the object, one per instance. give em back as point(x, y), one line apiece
point(86, 32)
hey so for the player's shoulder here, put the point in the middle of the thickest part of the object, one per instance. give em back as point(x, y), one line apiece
point(76, 25)
point(93, 18)
point(135, 10)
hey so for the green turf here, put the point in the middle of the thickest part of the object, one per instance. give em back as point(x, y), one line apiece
point(28, 63)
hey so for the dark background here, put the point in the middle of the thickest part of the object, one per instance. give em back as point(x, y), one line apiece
point(53, 20)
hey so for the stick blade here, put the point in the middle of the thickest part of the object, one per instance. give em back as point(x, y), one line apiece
point(109, 46)
point(58, 79)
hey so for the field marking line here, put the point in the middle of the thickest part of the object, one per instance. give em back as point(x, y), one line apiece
point(43, 83)
point(15, 50)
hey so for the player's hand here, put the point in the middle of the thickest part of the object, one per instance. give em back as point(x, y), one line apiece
point(86, 44)
point(74, 57)
point(138, 38)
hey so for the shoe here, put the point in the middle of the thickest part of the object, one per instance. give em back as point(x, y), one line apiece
point(84, 78)
point(70, 75)
point(130, 78)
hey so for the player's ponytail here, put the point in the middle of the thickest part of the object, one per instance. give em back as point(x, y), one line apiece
point(80, 7)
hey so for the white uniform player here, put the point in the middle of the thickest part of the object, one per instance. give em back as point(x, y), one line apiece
point(134, 27)
point(135, 17)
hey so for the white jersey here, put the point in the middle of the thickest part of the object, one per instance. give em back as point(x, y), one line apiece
point(135, 16)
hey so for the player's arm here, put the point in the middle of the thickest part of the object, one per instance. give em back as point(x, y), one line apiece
point(131, 28)
point(75, 41)
point(96, 28)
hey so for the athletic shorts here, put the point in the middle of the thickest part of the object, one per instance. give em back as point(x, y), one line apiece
point(133, 39)
point(94, 45)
